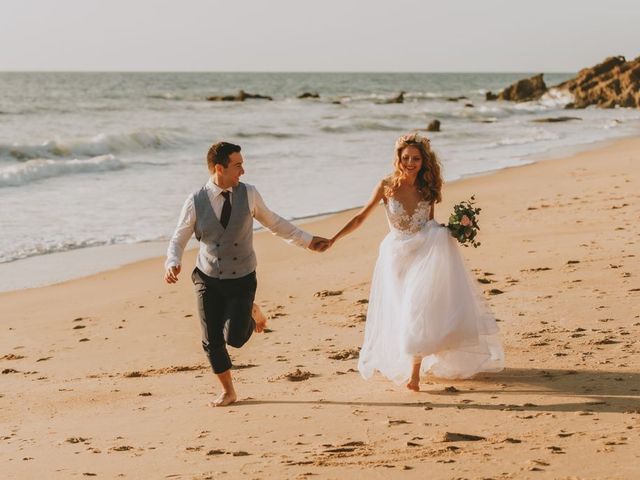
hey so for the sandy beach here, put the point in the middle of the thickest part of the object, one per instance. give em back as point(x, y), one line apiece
point(105, 377)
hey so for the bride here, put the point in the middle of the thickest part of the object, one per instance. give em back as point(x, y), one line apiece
point(425, 311)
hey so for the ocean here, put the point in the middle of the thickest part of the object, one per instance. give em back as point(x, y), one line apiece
point(92, 159)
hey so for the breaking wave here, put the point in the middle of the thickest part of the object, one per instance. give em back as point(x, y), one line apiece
point(101, 144)
point(34, 170)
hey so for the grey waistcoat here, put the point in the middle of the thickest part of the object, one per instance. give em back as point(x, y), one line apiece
point(225, 252)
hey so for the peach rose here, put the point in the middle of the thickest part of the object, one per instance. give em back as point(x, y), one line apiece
point(465, 221)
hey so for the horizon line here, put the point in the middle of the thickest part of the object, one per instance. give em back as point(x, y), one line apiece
point(296, 71)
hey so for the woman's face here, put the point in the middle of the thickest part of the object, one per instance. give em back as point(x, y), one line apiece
point(410, 160)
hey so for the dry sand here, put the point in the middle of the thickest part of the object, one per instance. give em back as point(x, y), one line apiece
point(104, 376)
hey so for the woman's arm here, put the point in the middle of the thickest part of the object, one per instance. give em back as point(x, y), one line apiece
point(355, 222)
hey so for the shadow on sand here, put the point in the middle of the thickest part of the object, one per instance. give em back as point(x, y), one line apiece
point(593, 391)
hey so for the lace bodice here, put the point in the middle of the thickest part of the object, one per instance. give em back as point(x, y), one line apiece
point(399, 218)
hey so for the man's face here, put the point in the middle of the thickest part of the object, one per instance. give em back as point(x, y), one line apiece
point(230, 176)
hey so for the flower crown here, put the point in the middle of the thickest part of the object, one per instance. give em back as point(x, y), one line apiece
point(410, 138)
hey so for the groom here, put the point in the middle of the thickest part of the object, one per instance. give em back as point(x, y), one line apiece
point(221, 215)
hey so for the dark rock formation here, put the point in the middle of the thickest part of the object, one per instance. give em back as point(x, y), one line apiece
point(555, 119)
point(614, 82)
point(490, 96)
point(524, 90)
point(397, 99)
point(455, 99)
point(241, 96)
point(309, 95)
point(434, 126)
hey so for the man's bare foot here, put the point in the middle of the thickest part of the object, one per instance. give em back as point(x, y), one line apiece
point(224, 399)
point(414, 384)
point(259, 318)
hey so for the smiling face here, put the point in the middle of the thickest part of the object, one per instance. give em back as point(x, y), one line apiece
point(230, 176)
point(411, 160)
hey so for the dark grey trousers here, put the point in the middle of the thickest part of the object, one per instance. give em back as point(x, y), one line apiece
point(225, 308)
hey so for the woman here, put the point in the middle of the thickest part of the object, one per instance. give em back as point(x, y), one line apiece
point(425, 312)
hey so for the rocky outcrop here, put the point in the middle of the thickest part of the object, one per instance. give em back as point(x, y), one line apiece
point(523, 90)
point(241, 96)
point(614, 82)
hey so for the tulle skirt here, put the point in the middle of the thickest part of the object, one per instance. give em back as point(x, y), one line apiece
point(425, 303)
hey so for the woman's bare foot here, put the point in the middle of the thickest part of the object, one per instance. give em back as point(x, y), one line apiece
point(414, 384)
point(259, 318)
point(224, 399)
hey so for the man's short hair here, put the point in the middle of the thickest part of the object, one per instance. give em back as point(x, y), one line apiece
point(219, 154)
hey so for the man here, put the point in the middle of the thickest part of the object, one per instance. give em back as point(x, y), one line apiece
point(221, 215)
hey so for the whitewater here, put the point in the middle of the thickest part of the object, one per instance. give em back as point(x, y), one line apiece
point(91, 159)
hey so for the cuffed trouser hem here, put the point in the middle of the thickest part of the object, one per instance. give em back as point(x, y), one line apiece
point(218, 358)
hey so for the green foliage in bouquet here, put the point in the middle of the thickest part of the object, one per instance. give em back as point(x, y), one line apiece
point(463, 222)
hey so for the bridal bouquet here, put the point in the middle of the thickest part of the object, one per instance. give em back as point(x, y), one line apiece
point(463, 223)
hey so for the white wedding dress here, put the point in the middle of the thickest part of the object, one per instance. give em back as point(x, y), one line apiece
point(424, 302)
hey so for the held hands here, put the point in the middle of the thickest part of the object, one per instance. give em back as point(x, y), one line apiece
point(171, 275)
point(320, 244)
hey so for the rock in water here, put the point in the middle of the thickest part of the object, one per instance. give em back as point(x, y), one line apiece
point(524, 90)
point(241, 96)
point(555, 119)
point(397, 99)
point(309, 95)
point(434, 126)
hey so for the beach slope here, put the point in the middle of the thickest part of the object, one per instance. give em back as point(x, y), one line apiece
point(104, 376)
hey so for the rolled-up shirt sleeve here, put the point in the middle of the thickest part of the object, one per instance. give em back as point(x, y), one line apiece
point(184, 231)
point(278, 225)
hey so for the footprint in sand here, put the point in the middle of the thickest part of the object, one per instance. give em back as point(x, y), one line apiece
point(296, 376)
point(348, 354)
point(77, 440)
point(12, 356)
point(121, 448)
point(327, 293)
point(457, 437)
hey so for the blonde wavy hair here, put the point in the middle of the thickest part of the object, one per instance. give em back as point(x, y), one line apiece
point(429, 179)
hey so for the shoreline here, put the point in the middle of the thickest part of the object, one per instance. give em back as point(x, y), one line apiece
point(54, 268)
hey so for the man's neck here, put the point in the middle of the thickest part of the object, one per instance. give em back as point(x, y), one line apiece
point(219, 182)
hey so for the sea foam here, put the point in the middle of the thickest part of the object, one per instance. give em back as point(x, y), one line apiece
point(34, 170)
point(100, 144)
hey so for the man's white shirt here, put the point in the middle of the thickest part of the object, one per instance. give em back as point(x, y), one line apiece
point(187, 221)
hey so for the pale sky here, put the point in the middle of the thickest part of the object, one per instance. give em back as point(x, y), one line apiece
point(325, 35)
